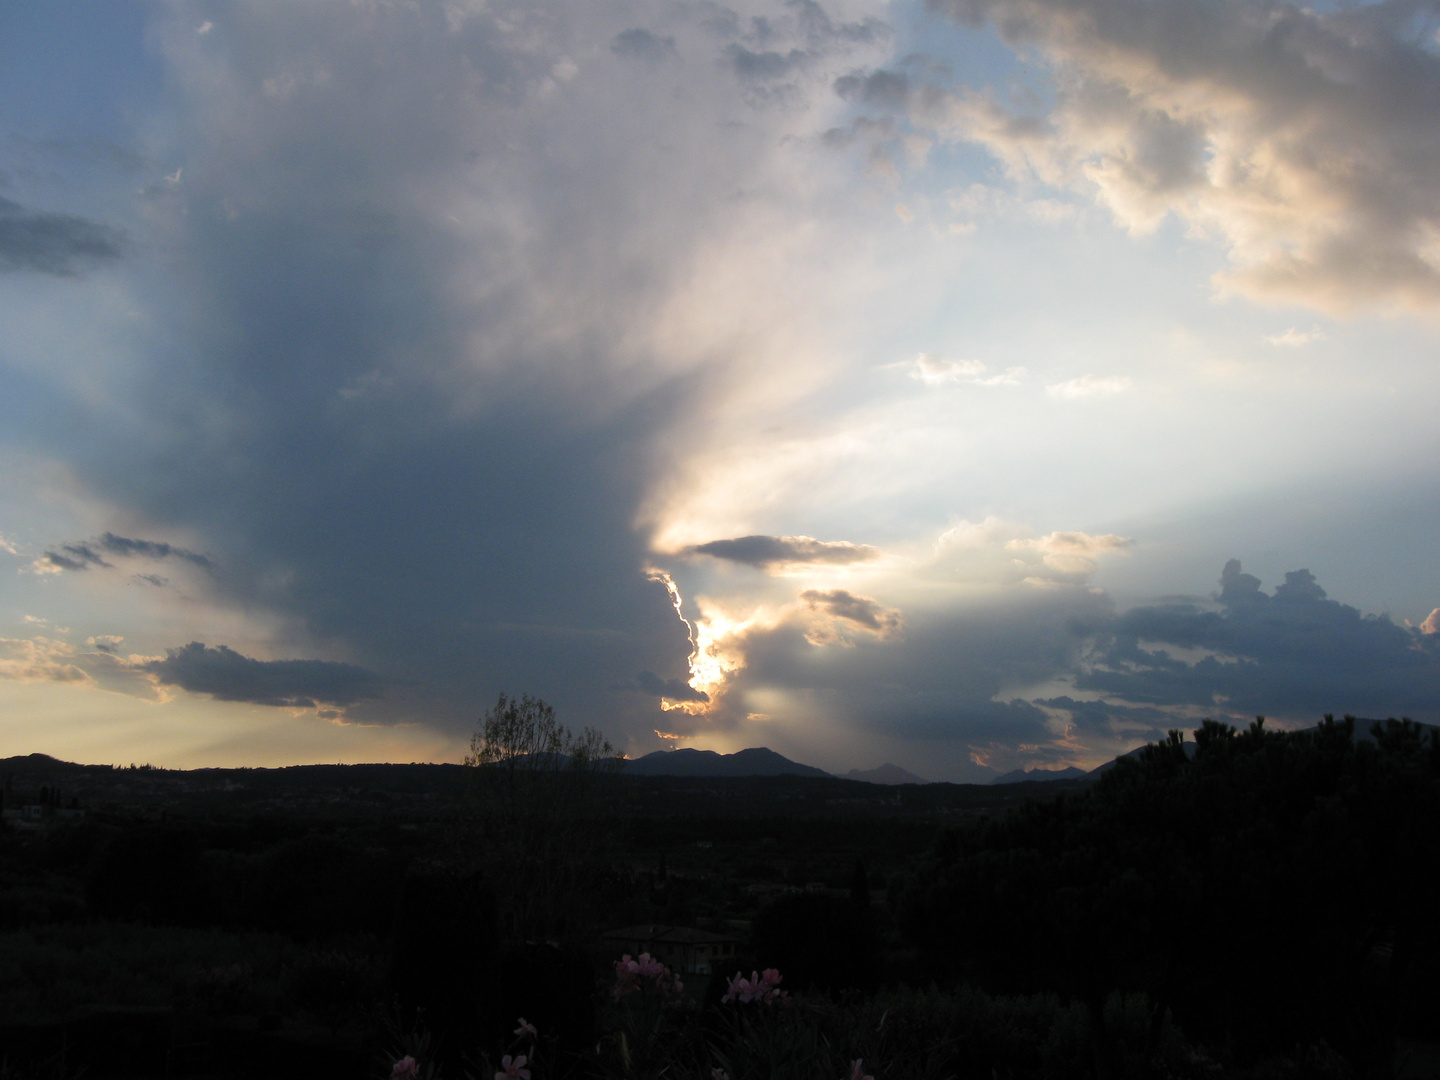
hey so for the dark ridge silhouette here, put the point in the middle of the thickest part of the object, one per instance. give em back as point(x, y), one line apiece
point(756, 761)
point(1021, 776)
point(886, 774)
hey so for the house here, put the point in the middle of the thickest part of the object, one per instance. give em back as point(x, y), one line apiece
point(680, 948)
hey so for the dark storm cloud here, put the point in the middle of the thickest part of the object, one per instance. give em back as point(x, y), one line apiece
point(227, 675)
point(673, 689)
point(82, 556)
point(1135, 723)
point(641, 44)
point(412, 395)
point(75, 557)
point(978, 723)
point(150, 549)
point(886, 89)
point(1295, 653)
point(964, 683)
point(764, 552)
point(859, 611)
point(949, 684)
point(58, 244)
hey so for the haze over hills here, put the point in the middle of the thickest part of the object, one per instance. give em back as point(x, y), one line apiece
point(885, 774)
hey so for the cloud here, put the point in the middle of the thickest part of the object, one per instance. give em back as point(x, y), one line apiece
point(1073, 553)
point(150, 549)
point(882, 88)
point(1292, 654)
point(672, 689)
point(1304, 141)
point(990, 532)
point(82, 556)
point(59, 244)
point(227, 675)
point(1088, 386)
point(775, 552)
point(40, 659)
point(935, 370)
point(640, 44)
point(1294, 338)
point(857, 611)
point(74, 557)
point(1431, 625)
point(415, 387)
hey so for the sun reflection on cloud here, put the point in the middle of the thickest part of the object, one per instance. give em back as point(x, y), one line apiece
point(717, 645)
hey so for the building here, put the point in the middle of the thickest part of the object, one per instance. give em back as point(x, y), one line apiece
point(681, 949)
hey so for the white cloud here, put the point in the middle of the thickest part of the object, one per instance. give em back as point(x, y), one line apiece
point(933, 370)
point(990, 532)
point(1087, 386)
point(39, 660)
point(1304, 142)
point(1073, 554)
point(1295, 337)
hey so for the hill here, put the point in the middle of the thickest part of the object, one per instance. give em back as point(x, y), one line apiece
point(756, 761)
point(885, 774)
point(1021, 776)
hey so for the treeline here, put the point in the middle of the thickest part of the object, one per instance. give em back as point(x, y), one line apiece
point(1263, 889)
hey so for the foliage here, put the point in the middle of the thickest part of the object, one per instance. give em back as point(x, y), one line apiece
point(1256, 884)
point(899, 1034)
point(47, 972)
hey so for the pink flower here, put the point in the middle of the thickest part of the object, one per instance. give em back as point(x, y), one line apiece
point(405, 1069)
point(762, 988)
point(513, 1068)
point(857, 1071)
point(739, 989)
point(628, 974)
point(527, 1028)
point(627, 977)
point(719, 1074)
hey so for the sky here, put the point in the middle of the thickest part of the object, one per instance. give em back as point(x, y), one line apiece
point(969, 385)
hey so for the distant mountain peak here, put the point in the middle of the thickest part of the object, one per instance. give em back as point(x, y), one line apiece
point(886, 774)
point(688, 761)
point(1021, 776)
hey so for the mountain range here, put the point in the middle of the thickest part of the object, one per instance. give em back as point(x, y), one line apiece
point(756, 761)
point(1021, 776)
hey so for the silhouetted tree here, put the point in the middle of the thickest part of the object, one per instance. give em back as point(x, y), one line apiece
point(537, 829)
